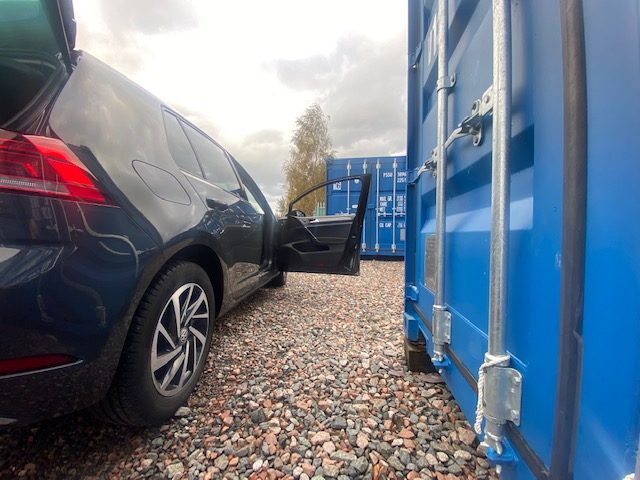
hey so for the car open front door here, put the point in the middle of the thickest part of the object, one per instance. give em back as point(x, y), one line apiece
point(311, 241)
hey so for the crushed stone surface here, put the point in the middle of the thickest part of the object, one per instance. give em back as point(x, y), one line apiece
point(303, 382)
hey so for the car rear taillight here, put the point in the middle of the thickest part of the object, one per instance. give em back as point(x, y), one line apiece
point(45, 166)
point(28, 364)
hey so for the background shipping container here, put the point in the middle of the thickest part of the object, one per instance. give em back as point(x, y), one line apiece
point(384, 229)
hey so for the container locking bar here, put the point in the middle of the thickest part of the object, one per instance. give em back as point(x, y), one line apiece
point(500, 401)
point(443, 86)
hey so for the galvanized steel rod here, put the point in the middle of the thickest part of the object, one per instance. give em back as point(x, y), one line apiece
point(441, 164)
point(377, 205)
point(500, 195)
point(393, 211)
point(349, 187)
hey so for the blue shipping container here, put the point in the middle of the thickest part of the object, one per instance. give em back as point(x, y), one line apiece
point(524, 248)
point(383, 231)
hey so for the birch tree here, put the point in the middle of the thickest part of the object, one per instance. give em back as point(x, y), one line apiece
point(310, 147)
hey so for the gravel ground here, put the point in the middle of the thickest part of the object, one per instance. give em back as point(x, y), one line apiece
point(307, 381)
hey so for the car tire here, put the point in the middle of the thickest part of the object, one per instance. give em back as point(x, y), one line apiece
point(142, 394)
point(279, 281)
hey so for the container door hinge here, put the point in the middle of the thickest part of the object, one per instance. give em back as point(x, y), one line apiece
point(411, 292)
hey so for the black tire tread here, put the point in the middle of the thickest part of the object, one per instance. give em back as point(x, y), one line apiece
point(115, 407)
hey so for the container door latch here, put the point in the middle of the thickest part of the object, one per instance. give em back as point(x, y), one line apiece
point(472, 125)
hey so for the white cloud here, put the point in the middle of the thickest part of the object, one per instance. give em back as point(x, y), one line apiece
point(245, 70)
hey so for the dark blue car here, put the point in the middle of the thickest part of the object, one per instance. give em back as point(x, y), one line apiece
point(125, 232)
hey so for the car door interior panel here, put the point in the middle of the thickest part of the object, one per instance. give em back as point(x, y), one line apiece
point(321, 243)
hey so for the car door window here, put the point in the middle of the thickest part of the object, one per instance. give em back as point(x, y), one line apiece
point(180, 147)
point(214, 161)
point(313, 204)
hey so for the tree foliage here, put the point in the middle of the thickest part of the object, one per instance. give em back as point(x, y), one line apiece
point(310, 147)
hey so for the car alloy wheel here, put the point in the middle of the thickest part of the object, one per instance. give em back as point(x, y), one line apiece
point(179, 339)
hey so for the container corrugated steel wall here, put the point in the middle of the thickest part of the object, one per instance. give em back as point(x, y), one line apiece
point(600, 419)
point(384, 232)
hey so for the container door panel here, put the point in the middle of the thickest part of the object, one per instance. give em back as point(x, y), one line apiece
point(535, 209)
point(609, 421)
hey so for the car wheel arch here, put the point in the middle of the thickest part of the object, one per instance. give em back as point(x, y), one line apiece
point(203, 255)
point(208, 259)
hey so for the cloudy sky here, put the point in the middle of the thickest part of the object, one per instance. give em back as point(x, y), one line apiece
point(244, 70)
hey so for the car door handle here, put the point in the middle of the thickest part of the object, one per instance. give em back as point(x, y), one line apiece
point(215, 204)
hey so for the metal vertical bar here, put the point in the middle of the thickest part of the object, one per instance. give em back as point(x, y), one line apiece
point(441, 168)
point(348, 187)
point(499, 249)
point(393, 211)
point(364, 222)
point(377, 205)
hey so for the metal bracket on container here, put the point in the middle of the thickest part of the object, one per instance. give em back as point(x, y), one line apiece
point(441, 328)
point(411, 292)
point(472, 124)
point(414, 57)
point(446, 83)
point(503, 394)
point(441, 364)
point(429, 165)
point(506, 457)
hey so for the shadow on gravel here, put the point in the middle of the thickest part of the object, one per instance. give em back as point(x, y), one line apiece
point(43, 450)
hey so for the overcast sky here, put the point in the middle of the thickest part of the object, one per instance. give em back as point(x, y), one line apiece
point(244, 70)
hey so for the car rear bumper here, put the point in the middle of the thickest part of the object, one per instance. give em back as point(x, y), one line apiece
point(32, 396)
point(67, 293)
point(46, 312)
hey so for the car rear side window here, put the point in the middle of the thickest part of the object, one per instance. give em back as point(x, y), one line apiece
point(215, 164)
point(180, 147)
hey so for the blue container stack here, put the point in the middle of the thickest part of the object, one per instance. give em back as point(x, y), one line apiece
point(384, 229)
